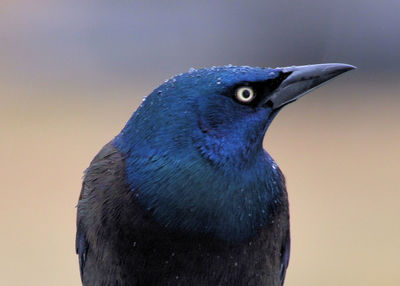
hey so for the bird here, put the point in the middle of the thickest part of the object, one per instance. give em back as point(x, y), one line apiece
point(186, 194)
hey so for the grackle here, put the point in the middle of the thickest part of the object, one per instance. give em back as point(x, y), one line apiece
point(186, 194)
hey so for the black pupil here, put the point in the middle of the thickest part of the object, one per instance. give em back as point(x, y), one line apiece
point(246, 93)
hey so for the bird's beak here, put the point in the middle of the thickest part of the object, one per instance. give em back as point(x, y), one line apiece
point(303, 79)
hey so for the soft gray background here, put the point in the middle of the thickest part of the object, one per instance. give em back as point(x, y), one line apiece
point(72, 72)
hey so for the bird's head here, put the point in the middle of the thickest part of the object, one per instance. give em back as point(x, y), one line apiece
point(193, 149)
point(222, 112)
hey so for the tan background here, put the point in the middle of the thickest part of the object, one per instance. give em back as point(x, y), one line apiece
point(338, 146)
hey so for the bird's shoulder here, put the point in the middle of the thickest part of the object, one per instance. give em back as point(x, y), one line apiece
point(101, 203)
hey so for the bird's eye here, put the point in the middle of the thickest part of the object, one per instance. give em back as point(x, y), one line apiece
point(245, 94)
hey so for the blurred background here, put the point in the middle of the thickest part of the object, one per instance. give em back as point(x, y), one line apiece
point(72, 72)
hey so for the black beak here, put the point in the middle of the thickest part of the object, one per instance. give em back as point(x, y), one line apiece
point(303, 79)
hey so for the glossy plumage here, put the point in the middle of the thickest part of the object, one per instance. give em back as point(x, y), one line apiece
point(185, 194)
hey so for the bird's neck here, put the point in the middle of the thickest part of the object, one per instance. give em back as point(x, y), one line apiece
point(185, 191)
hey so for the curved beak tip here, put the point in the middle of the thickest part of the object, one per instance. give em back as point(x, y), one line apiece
point(340, 68)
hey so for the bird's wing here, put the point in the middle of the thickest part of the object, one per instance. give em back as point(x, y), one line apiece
point(97, 187)
point(81, 243)
point(285, 255)
point(81, 246)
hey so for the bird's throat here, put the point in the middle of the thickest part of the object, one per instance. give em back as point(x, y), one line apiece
point(185, 192)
